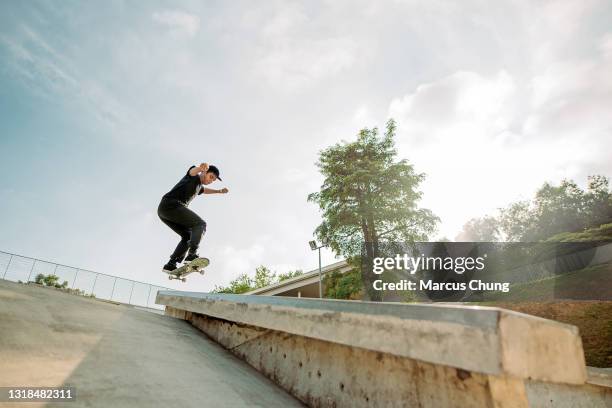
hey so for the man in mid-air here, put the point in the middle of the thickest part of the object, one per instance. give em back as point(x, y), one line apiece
point(174, 213)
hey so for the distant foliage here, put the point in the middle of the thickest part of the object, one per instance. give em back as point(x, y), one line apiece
point(601, 233)
point(242, 284)
point(50, 280)
point(565, 208)
point(347, 285)
point(557, 209)
point(263, 277)
point(485, 229)
point(289, 275)
point(53, 281)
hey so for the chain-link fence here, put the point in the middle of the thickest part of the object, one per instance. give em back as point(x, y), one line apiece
point(25, 269)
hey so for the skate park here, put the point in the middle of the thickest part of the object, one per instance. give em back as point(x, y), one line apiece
point(247, 350)
point(306, 203)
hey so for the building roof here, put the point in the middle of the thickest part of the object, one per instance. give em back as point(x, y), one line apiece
point(298, 281)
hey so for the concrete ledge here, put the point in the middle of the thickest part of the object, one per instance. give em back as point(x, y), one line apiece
point(482, 340)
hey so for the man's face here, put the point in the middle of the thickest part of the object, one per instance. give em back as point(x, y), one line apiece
point(209, 178)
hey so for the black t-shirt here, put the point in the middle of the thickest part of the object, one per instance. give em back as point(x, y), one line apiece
point(186, 189)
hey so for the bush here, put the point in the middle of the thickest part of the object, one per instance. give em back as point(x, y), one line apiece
point(343, 285)
point(51, 280)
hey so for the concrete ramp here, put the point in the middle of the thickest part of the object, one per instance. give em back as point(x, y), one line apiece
point(363, 354)
point(119, 356)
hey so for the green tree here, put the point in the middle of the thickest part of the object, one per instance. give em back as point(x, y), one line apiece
point(516, 220)
point(343, 285)
point(557, 209)
point(51, 280)
point(263, 277)
point(368, 197)
point(289, 275)
point(242, 284)
point(598, 201)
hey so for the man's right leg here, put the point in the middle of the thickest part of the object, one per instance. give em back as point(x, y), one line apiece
point(181, 249)
point(186, 220)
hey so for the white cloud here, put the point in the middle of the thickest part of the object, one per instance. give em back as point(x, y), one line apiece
point(510, 95)
point(293, 65)
point(363, 117)
point(229, 262)
point(464, 105)
point(553, 27)
point(287, 18)
point(178, 21)
point(605, 45)
point(572, 98)
point(486, 141)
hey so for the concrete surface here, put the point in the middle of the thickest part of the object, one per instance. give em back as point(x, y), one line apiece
point(547, 395)
point(350, 354)
point(479, 339)
point(118, 356)
point(325, 374)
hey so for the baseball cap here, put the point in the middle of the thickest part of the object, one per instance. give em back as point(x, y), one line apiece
point(214, 170)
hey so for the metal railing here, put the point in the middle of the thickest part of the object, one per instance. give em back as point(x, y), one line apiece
point(25, 269)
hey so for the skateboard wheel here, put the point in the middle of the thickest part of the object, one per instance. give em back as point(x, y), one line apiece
point(184, 279)
point(169, 277)
point(201, 272)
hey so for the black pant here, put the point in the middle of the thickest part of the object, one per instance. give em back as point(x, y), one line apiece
point(184, 222)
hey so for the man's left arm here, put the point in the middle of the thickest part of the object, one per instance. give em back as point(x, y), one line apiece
point(207, 190)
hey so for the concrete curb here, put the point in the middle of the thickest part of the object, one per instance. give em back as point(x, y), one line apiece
point(479, 339)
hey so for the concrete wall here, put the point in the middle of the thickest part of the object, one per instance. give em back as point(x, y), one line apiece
point(339, 353)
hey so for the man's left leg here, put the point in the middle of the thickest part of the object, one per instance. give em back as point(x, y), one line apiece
point(189, 221)
point(197, 232)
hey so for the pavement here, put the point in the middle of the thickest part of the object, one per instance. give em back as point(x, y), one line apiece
point(120, 356)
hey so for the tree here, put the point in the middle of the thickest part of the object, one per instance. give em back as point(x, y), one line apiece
point(598, 201)
point(51, 280)
point(263, 277)
point(244, 283)
point(289, 275)
point(368, 197)
point(483, 229)
point(343, 285)
point(239, 285)
point(557, 209)
point(516, 220)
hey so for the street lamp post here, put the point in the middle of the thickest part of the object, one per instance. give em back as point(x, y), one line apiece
point(314, 247)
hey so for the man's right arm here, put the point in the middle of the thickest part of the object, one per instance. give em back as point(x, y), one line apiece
point(198, 169)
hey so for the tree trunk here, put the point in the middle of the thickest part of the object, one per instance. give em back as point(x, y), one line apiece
point(367, 260)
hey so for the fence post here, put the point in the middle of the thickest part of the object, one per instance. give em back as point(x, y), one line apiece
point(149, 297)
point(75, 276)
point(7, 266)
point(131, 291)
point(94, 285)
point(31, 270)
point(113, 291)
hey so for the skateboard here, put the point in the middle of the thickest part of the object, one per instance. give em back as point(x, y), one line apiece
point(197, 265)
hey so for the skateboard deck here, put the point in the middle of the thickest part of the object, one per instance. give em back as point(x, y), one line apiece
point(197, 265)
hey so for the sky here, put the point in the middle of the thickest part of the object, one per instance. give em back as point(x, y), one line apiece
point(104, 106)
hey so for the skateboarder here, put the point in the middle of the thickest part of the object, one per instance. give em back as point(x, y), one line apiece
point(174, 213)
